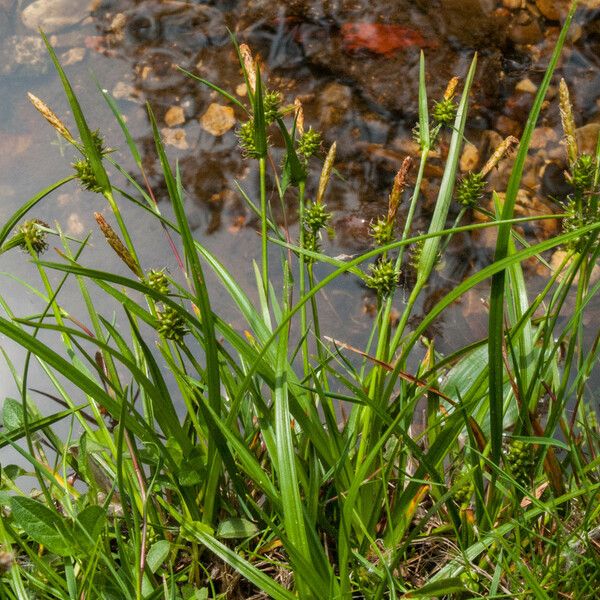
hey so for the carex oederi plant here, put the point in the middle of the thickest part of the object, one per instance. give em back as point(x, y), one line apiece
point(274, 459)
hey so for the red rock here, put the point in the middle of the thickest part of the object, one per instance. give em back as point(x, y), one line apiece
point(382, 38)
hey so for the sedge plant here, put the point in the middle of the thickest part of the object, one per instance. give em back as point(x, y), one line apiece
point(276, 460)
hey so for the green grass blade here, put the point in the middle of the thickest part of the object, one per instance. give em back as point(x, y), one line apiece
point(496, 318)
point(438, 220)
point(91, 151)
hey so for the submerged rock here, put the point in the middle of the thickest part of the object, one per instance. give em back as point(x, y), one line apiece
point(25, 55)
point(53, 15)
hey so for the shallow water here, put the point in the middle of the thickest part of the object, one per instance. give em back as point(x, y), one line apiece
point(353, 64)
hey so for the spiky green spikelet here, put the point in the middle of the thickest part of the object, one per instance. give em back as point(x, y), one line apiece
point(85, 174)
point(444, 111)
point(316, 216)
point(382, 277)
point(382, 231)
point(470, 189)
point(246, 139)
point(158, 281)
point(309, 143)
point(462, 491)
point(520, 460)
point(272, 103)
point(171, 325)
point(583, 171)
point(31, 236)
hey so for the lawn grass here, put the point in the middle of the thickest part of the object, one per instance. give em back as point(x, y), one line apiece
point(295, 470)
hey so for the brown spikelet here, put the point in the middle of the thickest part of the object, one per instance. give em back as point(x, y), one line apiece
point(398, 188)
point(299, 116)
point(451, 88)
point(568, 122)
point(117, 245)
point(51, 117)
point(506, 147)
point(326, 173)
point(249, 66)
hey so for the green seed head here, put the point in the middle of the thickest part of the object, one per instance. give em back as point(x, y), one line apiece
point(519, 457)
point(309, 143)
point(312, 242)
point(316, 216)
point(470, 189)
point(463, 489)
point(382, 231)
point(383, 278)
point(33, 236)
point(583, 173)
point(158, 281)
point(444, 111)
point(245, 135)
point(99, 142)
point(271, 103)
point(171, 325)
point(86, 176)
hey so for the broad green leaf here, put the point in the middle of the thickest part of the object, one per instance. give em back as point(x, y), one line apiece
point(12, 414)
point(157, 555)
point(91, 520)
point(42, 524)
point(236, 528)
point(436, 589)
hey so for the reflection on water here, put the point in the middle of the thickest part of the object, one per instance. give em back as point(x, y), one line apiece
point(353, 64)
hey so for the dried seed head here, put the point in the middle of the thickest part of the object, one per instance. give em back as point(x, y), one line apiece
point(568, 122)
point(398, 188)
point(504, 149)
point(299, 116)
point(451, 88)
point(249, 66)
point(117, 245)
point(51, 117)
point(326, 173)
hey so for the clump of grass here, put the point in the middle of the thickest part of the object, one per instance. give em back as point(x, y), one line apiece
point(218, 464)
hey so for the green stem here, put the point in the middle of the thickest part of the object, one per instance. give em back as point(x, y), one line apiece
point(262, 164)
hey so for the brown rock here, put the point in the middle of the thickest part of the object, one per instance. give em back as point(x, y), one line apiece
point(587, 138)
point(525, 29)
point(526, 86)
point(217, 119)
point(507, 126)
point(513, 4)
point(552, 9)
point(175, 137)
point(542, 137)
point(469, 158)
point(174, 116)
point(72, 56)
